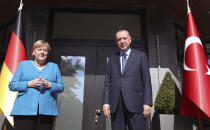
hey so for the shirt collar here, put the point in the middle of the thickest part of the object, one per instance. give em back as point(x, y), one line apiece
point(127, 52)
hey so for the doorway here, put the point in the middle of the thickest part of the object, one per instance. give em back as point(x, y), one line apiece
point(81, 46)
point(82, 69)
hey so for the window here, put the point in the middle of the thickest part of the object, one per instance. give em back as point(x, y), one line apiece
point(94, 25)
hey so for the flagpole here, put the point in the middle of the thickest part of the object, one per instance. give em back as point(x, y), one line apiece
point(21, 5)
point(7, 71)
point(188, 6)
point(200, 120)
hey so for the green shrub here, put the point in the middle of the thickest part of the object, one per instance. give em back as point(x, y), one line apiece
point(165, 100)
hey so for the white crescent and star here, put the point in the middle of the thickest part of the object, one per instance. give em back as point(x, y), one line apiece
point(188, 42)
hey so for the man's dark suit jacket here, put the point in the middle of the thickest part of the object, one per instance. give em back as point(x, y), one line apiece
point(134, 82)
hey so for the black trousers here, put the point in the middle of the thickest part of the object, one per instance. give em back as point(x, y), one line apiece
point(123, 119)
point(39, 122)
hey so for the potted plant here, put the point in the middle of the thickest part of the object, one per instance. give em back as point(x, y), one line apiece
point(167, 105)
point(165, 100)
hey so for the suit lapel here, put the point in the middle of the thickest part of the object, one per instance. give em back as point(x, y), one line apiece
point(117, 59)
point(131, 59)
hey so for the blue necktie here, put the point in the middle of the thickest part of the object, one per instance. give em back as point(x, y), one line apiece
point(124, 60)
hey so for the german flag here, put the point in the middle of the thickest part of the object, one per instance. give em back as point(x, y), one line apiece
point(14, 55)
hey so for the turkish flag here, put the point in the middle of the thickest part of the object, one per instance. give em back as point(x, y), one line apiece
point(195, 100)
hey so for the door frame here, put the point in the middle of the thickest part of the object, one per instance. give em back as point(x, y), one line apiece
point(97, 43)
point(142, 43)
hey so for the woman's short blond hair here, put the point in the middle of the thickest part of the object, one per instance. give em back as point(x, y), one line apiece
point(41, 43)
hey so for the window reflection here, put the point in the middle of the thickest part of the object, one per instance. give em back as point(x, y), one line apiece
point(70, 102)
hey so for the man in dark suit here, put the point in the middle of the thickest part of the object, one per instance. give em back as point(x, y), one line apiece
point(127, 90)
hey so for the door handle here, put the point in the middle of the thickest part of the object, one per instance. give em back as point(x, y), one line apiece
point(98, 113)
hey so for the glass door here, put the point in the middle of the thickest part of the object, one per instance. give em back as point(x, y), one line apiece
point(83, 73)
point(71, 100)
point(77, 103)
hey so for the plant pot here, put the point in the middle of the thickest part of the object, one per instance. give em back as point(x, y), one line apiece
point(171, 122)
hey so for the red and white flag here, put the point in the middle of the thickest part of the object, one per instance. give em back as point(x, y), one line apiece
point(195, 100)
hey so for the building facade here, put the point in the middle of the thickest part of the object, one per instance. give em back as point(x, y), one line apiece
point(82, 37)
